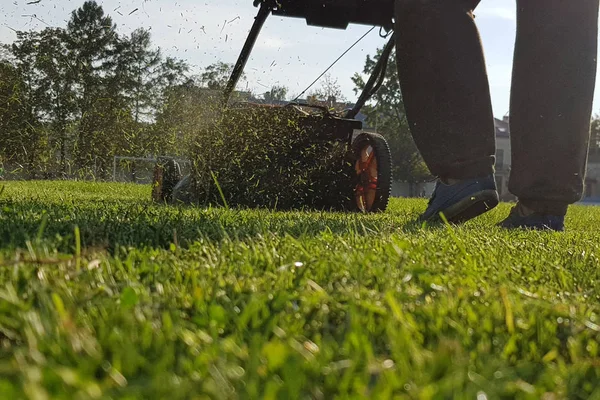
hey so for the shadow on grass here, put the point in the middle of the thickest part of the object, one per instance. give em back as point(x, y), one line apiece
point(110, 224)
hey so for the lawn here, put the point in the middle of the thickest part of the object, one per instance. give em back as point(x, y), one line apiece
point(106, 295)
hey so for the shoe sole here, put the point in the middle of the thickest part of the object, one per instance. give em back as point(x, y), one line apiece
point(471, 207)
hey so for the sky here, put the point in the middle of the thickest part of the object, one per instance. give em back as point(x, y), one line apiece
point(288, 52)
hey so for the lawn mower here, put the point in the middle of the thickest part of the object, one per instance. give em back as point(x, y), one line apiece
point(368, 154)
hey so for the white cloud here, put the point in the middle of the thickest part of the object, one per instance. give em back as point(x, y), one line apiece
point(271, 42)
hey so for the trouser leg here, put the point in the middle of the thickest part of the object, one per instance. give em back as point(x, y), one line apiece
point(445, 87)
point(551, 101)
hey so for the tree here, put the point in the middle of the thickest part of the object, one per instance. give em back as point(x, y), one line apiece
point(92, 40)
point(386, 113)
point(144, 77)
point(6, 55)
point(329, 91)
point(138, 68)
point(276, 93)
point(188, 109)
point(80, 95)
point(173, 72)
point(215, 76)
point(13, 112)
point(26, 139)
point(56, 95)
point(93, 48)
point(147, 75)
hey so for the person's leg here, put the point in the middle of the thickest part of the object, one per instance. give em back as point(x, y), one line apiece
point(551, 101)
point(447, 101)
point(445, 87)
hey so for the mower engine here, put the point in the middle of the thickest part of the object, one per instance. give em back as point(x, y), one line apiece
point(335, 13)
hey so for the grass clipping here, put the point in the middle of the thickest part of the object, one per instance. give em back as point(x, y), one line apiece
point(271, 157)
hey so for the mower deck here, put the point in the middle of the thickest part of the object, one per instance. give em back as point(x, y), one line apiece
point(318, 120)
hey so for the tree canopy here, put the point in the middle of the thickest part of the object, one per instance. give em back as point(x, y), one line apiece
point(71, 98)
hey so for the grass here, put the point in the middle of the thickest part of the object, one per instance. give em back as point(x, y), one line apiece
point(105, 295)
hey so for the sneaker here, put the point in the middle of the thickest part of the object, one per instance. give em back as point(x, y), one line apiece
point(461, 201)
point(526, 219)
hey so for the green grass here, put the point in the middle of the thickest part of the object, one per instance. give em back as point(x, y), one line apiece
point(105, 295)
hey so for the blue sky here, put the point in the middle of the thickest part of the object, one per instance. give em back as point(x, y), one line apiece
point(288, 53)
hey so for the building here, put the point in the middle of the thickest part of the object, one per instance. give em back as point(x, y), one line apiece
point(503, 158)
point(592, 180)
point(503, 163)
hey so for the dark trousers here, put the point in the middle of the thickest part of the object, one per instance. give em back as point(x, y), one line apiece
point(446, 94)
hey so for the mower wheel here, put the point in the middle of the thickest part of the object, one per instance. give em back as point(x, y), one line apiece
point(167, 173)
point(373, 172)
